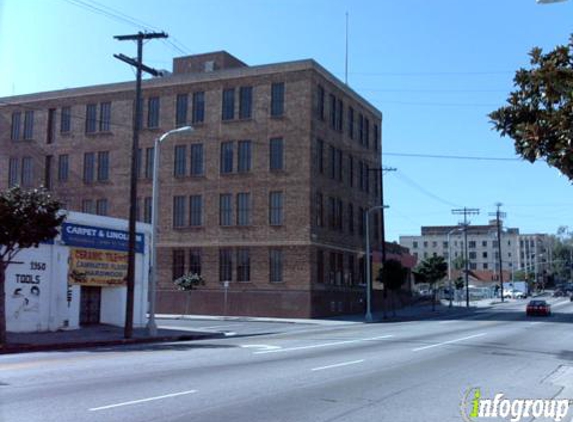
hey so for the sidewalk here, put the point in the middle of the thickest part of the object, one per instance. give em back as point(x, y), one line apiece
point(94, 336)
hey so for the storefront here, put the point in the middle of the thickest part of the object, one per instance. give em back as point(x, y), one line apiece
point(79, 278)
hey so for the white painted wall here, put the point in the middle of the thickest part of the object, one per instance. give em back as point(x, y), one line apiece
point(37, 285)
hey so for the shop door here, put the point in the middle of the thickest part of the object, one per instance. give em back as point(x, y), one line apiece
point(90, 305)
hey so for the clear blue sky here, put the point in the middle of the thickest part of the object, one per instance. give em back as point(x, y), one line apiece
point(434, 69)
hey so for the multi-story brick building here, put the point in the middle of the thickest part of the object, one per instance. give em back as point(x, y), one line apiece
point(268, 192)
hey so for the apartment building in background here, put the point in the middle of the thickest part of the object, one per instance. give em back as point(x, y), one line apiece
point(267, 193)
point(527, 252)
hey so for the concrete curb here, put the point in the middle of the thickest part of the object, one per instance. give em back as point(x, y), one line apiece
point(27, 348)
point(256, 319)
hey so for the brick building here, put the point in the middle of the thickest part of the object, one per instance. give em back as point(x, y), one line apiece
point(268, 192)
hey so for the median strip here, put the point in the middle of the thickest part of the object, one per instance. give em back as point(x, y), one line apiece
point(128, 403)
point(447, 342)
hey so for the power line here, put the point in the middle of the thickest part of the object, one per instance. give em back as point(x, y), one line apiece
point(451, 157)
point(426, 192)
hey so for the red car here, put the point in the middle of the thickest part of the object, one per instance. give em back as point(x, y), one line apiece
point(538, 307)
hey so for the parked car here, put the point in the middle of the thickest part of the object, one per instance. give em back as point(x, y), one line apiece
point(518, 294)
point(538, 307)
point(558, 293)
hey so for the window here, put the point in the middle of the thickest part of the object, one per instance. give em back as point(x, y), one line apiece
point(472, 255)
point(376, 137)
point(472, 244)
point(350, 170)
point(195, 210)
point(320, 266)
point(350, 122)
point(277, 99)
point(276, 265)
point(350, 218)
point(65, 120)
point(361, 175)
point(226, 209)
point(225, 265)
point(48, 172)
point(13, 171)
point(414, 244)
point(484, 266)
point(484, 243)
point(179, 160)
point(339, 116)
point(15, 132)
point(228, 111)
point(244, 157)
point(276, 208)
point(227, 157)
point(331, 212)
point(320, 155)
point(198, 107)
point(361, 128)
point(245, 102)
point(51, 127)
point(29, 124)
point(91, 118)
point(178, 211)
point(181, 110)
point(339, 211)
point(320, 103)
point(195, 261)
point(276, 154)
point(434, 244)
point(366, 133)
point(147, 209)
point(88, 206)
point(153, 112)
point(484, 254)
point(103, 166)
point(138, 159)
point(362, 217)
point(178, 263)
point(425, 244)
point(197, 160)
point(445, 245)
point(243, 209)
point(104, 117)
point(243, 265)
point(149, 157)
point(332, 155)
point(473, 266)
point(101, 207)
point(89, 167)
point(339, 164)
point(332, 111)
point(319, 211)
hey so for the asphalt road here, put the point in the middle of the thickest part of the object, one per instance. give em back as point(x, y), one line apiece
point(409, 371)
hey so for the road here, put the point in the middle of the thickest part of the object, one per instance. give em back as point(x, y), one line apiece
point(409, 371)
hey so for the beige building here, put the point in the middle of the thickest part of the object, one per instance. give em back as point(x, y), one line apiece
point(268, 192)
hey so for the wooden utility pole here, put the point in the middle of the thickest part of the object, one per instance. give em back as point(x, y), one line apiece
point(466, 211)
point(140, 67)
point(498, 216)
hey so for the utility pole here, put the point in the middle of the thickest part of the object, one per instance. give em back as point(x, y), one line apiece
point(498, 216)
point(466, 211)
point(140, 67)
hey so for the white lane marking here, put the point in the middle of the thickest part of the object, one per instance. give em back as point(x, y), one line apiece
point(315, 346)
point(216, 327)
point(448, 342)
point(446, 322)
point(337, 365)
point(127, 403)
point(535, 323)
point(260, 346)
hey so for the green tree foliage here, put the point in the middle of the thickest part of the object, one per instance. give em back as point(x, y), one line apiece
point(431, 270)
point(393, 275)
point(539, 114)
point(26, 219)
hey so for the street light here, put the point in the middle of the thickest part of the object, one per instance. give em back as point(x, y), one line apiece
point(151, 325)
point(368, 316)
point(450, 261)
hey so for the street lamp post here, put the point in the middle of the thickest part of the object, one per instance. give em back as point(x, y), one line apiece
point(368, 315)
point(450, 262)
point(151, 325)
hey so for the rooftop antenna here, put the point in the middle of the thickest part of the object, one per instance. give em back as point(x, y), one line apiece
point(346, 55)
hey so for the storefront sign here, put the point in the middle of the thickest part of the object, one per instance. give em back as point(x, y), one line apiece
point(99, 238)
point(97, 267)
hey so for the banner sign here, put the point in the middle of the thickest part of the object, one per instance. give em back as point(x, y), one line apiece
point(99, 238)
point(96, 267)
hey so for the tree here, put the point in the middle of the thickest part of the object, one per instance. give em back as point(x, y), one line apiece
point(392, 275)
point(539, 114)
point(431, 270)
point(26, 219)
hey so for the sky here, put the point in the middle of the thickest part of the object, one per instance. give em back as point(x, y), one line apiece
point(435, 69)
